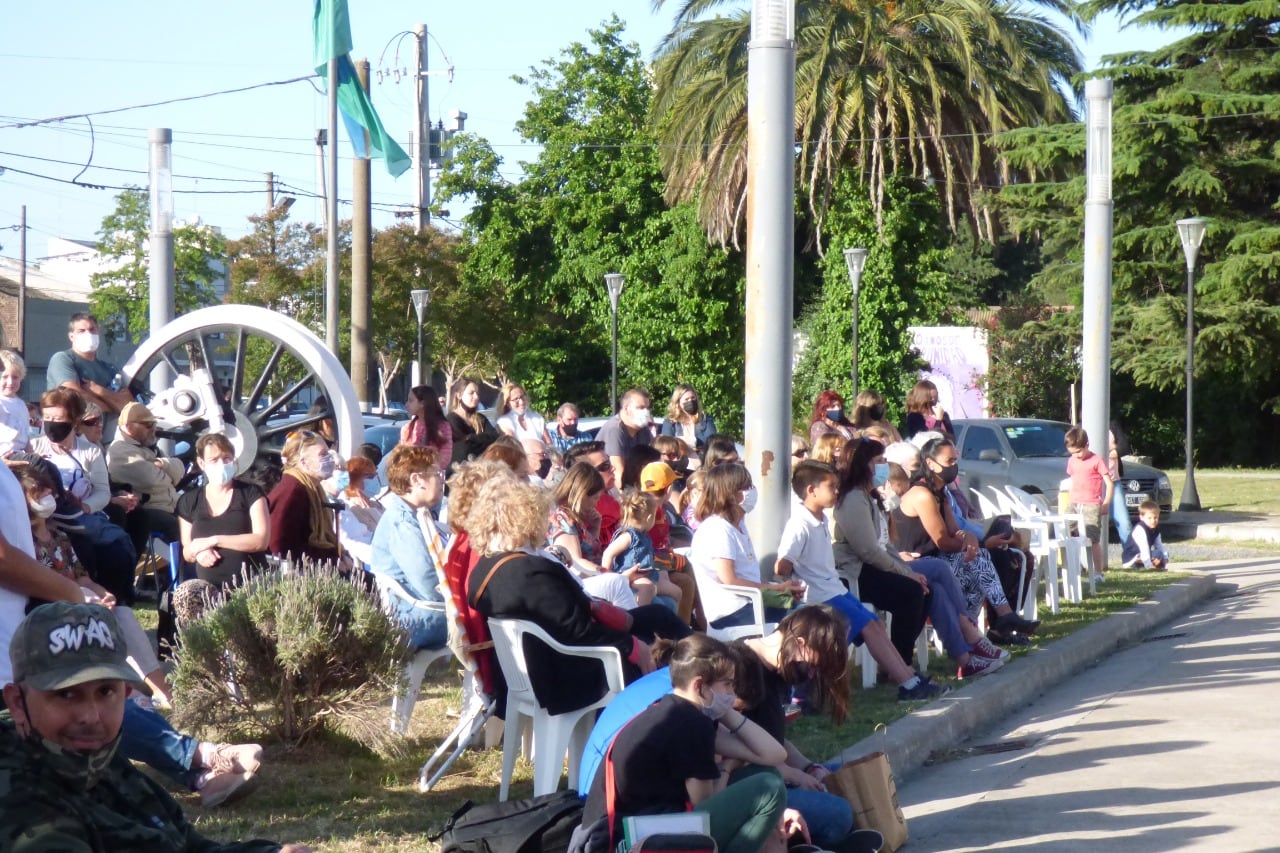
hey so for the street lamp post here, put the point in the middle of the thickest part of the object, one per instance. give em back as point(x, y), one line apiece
point(855, 260)
point(1191, 232)
point(614, 281)
point(421, 298)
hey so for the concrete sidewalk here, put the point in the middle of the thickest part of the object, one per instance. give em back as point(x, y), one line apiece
point(1169, 744)
point(1235, 526)
point(943, 723)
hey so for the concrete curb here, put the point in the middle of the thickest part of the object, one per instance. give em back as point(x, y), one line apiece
point(908, 742)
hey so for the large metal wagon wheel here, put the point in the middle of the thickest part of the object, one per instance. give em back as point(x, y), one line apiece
point(249, 373)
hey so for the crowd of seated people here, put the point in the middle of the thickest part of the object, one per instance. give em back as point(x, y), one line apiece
point(626, 539)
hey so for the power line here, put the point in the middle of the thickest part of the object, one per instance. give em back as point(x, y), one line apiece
point(36, 122)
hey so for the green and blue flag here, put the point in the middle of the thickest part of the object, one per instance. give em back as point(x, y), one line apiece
point(332, 28)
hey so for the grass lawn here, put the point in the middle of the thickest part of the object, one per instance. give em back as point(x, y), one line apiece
point(337, 797)
point(1251, 490)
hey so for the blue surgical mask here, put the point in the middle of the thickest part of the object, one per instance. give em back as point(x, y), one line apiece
point(372, 486)
point(342, 480)
point(881, 475)
point(835, 414)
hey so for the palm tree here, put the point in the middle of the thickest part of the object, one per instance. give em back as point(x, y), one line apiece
point(910, 87)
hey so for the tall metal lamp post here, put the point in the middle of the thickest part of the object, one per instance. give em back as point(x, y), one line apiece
point(1191, 232)
point(421, 298)
point(614, 281)
point(855, 260)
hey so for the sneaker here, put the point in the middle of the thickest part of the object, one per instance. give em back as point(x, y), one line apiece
point(1013, 622)
point(924, 690)
point(1098, 577)
point(978, 666)
point(984, 649)
point(229, 768)
point(1007, 638)
point(244, 757)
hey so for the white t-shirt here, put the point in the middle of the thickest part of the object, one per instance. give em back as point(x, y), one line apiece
point(717, 539)
point(806, 543)
point(534, 425)
point(16, 526)
point(15, 425)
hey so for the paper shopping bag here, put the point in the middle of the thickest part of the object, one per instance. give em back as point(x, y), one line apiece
point(867, 783)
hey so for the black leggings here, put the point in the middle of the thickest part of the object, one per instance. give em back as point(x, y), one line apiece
point(904, 598)
point(651, 621)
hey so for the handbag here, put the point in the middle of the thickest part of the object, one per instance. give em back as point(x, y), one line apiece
point(867, 783)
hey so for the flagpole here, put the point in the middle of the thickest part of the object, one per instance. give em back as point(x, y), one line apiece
point(331, 270)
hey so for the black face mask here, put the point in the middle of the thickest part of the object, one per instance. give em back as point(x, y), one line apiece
point(544, 468)
point(681, 467)
point(949, 473)
point(57, 431)
point(565, 429)
point(690, 407)
point(876, 413)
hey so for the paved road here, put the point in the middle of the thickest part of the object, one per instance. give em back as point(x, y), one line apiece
point(1170, 744)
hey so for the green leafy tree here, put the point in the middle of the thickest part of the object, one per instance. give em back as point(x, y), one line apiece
point(1196, 125)
point(592, 203)
point(466, 328)
point(121, 296)
point(894, 88)
point(904, 283)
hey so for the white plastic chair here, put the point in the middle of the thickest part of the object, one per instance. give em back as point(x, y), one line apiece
point(553, 734)
point(1075, 548)
point(390, 592)
point(748, 595)
point(1036, 532)
point(862, 657)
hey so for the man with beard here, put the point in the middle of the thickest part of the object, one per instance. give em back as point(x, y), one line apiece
point(62, 784)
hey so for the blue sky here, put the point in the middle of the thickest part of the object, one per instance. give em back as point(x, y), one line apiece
point(63, 58)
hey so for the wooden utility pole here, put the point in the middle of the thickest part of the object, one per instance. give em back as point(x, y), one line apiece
point(361, 266)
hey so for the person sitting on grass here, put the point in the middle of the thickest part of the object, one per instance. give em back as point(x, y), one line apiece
point(805, 551)
point(678, 753)
point(63, 784)
point(1144, 546)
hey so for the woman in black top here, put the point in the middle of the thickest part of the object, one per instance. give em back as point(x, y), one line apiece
point(468, 425)
point(225, 526)
point(664, 760)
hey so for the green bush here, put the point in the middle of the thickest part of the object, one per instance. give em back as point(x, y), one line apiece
point(287, 656)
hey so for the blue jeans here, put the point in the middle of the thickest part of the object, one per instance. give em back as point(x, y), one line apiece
point(744, 615)
point(146, 736)
point(946, 605)
point(1120, 515)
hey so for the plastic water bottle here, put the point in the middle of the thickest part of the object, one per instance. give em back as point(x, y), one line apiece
point(116, 382)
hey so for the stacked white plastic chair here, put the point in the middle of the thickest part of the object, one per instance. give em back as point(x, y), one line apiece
point(554, 735)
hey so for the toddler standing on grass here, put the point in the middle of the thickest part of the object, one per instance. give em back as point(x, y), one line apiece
point(630, 553)
point(1091, 490)
point(1144, 547)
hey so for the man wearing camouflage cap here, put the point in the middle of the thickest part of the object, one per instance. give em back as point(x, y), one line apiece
point(62, 785)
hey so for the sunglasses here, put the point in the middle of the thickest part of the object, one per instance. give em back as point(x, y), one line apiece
point(91, 422)
point(800, 454)
point(604, 467)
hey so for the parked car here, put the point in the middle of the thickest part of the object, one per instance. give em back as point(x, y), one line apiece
point(1030, 454)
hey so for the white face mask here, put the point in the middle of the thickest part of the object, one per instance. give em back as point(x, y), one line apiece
point(749, 498)
point(221, 474)
point(85, 341)
point(44, 507)
point(641, 418)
